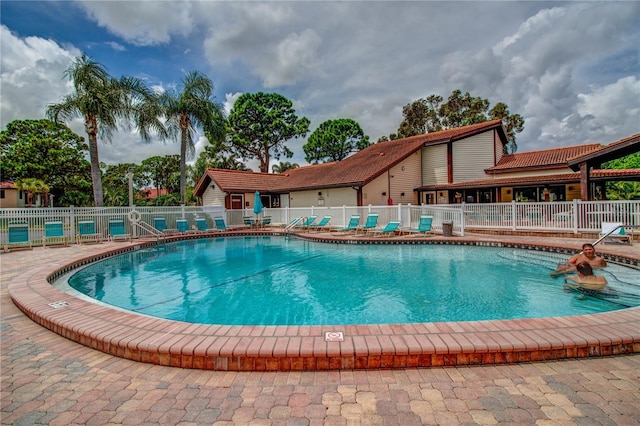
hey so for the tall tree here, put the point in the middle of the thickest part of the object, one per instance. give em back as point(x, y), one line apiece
point(463, 110)
point(623, 190)
point(163, 171)
point(431, 114)
point(334, 140)
point(512, 123)
point(213, 158)
point(48, 151)
point(259, 125)
point(102, 101)
point(116, 182)
point(187, 111)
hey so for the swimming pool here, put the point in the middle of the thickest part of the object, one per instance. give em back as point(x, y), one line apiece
point(280, 281)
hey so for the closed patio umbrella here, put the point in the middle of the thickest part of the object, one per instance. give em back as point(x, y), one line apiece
point(257, 204)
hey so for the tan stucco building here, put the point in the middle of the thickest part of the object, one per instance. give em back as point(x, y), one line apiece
point(464, 164)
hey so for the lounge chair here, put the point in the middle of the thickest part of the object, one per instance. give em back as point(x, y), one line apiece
point(18, 237)
point(616, 233)
point(249, 221)
point(183, 226)
point(389, 230)
point(352, 225)
point(309, 222)
point(117, 230)
point(54, 234)
point(160, 223)
point(370, 224)
point(87, 232)
point(202, 225)
point(266, 221)
point(324, 223)
point(220, 225)
point(424, 226)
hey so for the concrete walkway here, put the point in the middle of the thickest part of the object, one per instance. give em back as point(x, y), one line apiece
point(47, 379)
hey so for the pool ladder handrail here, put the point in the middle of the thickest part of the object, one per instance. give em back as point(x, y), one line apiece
point(292, 224)
point(151, 230)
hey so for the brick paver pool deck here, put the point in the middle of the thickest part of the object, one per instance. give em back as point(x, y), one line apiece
point(47, 379)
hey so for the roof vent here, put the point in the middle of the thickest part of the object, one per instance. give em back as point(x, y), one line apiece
point(381, 154)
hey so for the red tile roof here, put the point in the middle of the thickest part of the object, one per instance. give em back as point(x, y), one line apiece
point(356, 170)
point(369, 163)
point(153, 193)
point(240, 181)
point(550, 158)
point(614, 150)
point(7, 184)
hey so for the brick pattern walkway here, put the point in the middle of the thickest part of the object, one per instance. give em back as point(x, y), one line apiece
point(47, 379)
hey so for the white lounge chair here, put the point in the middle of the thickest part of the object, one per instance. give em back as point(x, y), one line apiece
point(613, 232)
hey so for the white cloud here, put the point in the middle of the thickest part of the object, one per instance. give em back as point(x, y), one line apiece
point(32, 78)
point(229, 101)
point(116, 46)
point(32, 75)
point(257, 35)
point(294, 58)
point(361, 60)
point(540, 22)
point(608, 111)
point(142, 23)
point(542, 71)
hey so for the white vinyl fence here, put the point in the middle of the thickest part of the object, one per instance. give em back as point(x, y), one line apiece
point(573, 216)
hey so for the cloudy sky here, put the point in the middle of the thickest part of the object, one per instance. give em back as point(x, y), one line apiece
point(571, 69)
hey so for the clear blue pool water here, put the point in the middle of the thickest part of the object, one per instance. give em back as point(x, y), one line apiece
point(281, 281)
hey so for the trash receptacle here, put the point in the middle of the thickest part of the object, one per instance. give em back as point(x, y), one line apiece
point(447, 229)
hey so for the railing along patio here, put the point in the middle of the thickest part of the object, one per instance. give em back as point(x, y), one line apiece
point(572, 217)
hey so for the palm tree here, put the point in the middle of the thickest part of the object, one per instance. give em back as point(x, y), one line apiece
point(189, 110)
point(32, 186)
point(283, 166)
point(102, 101)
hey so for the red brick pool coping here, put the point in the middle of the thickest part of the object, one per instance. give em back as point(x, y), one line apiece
point(278, 348)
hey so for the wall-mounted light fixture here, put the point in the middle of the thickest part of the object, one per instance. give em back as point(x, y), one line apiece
point(402, 194)
point(213, 187)
point(570, 188)
point(384, 193)
point(319, 193)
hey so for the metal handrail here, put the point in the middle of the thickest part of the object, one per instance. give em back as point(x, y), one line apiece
point(293, 223)
point(151, 230)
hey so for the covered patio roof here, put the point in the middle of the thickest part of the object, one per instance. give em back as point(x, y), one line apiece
point(588, 164)
point(564, 178)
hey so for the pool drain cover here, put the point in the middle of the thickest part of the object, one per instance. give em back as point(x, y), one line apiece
point(334, 336)
point(59, 304)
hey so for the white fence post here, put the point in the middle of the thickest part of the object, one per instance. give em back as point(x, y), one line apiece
point(576, 213)
point(72, 224)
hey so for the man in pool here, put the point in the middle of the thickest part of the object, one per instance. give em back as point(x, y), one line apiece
point(586, 279)
point(588, 255)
